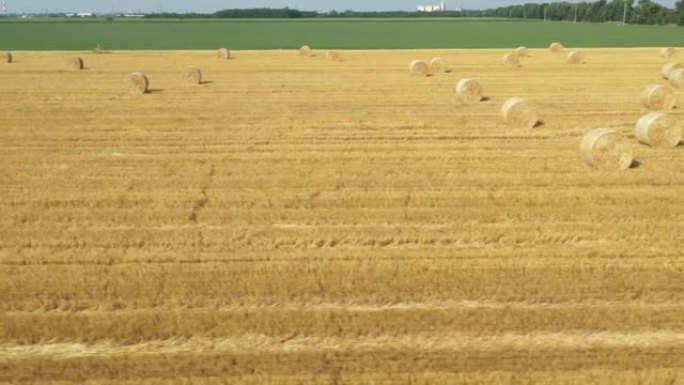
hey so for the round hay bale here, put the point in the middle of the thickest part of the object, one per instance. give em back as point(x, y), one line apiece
point(305, 50)
point(658, 130)
point(667, 52)
point(223, 54)
point(5, 57)
point(192, 75)
point(519, 113)
point(469, 90)
point(556, 47)
point(438, 65)
point(668, 68)
point(521, 51)
point(137, 83)
point(511, 60)
point(606, 149)
point(677, 77)
point(658, 97)
point(419, 67)
point(75, 63)
point(574, 57)
point(333, 55)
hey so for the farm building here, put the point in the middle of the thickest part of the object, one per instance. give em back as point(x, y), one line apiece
point(441, 7)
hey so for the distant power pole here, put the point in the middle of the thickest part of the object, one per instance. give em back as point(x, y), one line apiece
point(575, 13)
point(544, 14)
point(624, 14)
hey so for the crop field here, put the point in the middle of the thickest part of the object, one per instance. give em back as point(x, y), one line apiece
point(393, 33)
point(296, 220)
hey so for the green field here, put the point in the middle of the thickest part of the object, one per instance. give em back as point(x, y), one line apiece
point(61, 34)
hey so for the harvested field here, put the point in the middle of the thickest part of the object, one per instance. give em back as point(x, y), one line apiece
point(296, 222)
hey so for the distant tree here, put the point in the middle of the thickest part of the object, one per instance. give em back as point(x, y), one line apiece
point(679, 12)
point(648, 12)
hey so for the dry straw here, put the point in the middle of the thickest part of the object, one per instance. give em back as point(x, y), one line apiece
point(667, 53)
point(668, 68)
point(658, 130)
point(192, 75)
point(574, 57)
point(469, 90)
point(521, 51)
point(606, 149)
point(556, 47)
point(305, 50)
point(438, 65)
point(75, 63)
point(677, 77)
point(223, 53)
point(419, 67)
point(658, 97)
point(511, 60)
point(5, 57)
point(519, 113)
point(137, 83)
point(333, 55)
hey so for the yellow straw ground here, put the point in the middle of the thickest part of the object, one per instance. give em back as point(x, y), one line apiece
point(294, 220)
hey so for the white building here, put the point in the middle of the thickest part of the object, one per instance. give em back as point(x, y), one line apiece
point(441, 7)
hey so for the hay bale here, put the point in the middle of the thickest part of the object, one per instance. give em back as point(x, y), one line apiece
point(333, 55)
point(658, 97)
point(5, 57)
point(521, 51)
point(668, 68)
point(511, 60)
point(223, 54)
point(137, 83)
point(556, 47)
point(519, 113)
point(658, 130)
point(606, 149)
point(419, 67)
point(192, 75)
point(677, 77)
point(305, 50)
point(438, 65)
point(469, 90)
point(75, 63)
point(574, 57)
point(667, 52)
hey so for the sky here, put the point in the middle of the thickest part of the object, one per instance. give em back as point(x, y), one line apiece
point(215, 5)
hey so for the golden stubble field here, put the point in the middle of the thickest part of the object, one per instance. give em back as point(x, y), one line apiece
point(300, 221)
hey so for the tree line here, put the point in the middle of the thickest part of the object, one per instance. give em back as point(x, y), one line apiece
point(602, 11)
